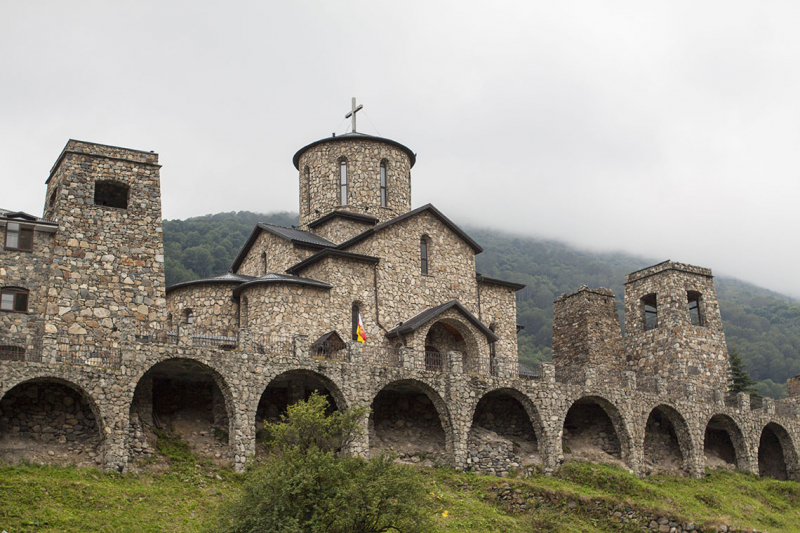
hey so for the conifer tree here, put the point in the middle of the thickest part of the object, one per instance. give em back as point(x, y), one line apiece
point(740, 380)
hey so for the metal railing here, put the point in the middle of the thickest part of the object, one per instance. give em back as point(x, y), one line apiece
point(528, 373)
point(271, 345)
point(16, 352)
point(155, 335)
point(433, 361)
point(87, 355)
point(214, 340)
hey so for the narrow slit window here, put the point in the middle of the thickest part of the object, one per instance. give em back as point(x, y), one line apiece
point(354, 321)
point(383, 184)
point(343, 182)
point(423, 255)
point(18, 237)
point(188, 316)
point(264, 261)
point(307, 189)
point(14, 299)
point(693, 304)
point(111, 194)
point(650, 305)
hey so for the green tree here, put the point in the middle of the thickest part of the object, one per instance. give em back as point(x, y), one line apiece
point(303, 487)
point(740, 380)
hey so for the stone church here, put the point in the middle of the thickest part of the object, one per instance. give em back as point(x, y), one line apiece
point(96, 353)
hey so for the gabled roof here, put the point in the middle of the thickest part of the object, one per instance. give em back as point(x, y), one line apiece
point(354, 136)
point(330, 252)
point(228, 277)
point(430, 314)
point(503, 283)
point(359, 217)
point(414, 212)
point(333, 340)
point(274, 278)
point(21, 216)
point(296, 236)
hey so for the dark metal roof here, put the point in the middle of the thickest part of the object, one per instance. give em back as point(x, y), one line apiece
point(503, 283)
point(21, 216)
point(429, 314)
point(296, 236)
point(274, 278)
point(344, 214)
point(427, 207)
point(330, 337)
point(350, 137)
point(228, 277)
point(329, 252)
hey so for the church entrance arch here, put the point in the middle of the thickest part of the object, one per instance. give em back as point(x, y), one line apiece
point(667, 441)
point(451, 335)
point(776, 453)
point(183, 399)
point(595, 431)
point(412, 420)
point(288, 388)
point(723, 443)
point(50, 420)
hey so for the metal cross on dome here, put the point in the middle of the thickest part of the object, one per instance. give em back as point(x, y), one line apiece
point(355, 109)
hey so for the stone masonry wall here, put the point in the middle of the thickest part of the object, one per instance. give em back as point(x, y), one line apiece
point(281, 254)
point(363, 176)
point(215, 310)
point(339, 229)
point(586, 329)
point(497, 308)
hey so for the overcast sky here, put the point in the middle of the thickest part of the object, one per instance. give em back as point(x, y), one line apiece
point(665, 129)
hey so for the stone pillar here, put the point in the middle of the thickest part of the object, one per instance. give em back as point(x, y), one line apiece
point(242, 437)
point(743, 401)
point(218, 407)
point(360, 445)
point(408, 358)
point(454, 363)
point(548, 373)
point(629, 380)
point(245, 343)
point(793, 387)
point(353, 351)
point(768, 405)
point(185, 335)
point(301, 346)
point(143, 400)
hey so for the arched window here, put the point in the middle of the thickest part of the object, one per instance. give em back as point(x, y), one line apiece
point(111, 194)
point(355, 312)
point(264, 261)
point(384, 188)
point(343, 182)
point(693, 304)
point(14, 299)
point(188, 316)
point(650, 310)
point(423, 254)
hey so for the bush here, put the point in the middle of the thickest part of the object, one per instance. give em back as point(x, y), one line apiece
point(303, 487)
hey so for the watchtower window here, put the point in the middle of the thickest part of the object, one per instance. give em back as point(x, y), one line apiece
point(264, 261)
point(383, 184)
point(693, 304)
point(343, 182)
point(307, 190)
point(188, 316)
point(111, 194)
point(53, 197)
point(423, 255)
point(18, 237)
point(14, 299)
point(650, 305)
point(355, 313)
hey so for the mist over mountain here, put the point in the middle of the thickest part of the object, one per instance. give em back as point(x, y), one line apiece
point(761, 325)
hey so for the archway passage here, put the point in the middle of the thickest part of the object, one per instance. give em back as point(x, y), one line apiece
point(185, 399)
point(287, 389)
point(46, 421)
point(444, 337)
point(589, 433)
point(662, 448)
point(502, 436)
point(771, 452)
point(406, 421)
point(720, 442)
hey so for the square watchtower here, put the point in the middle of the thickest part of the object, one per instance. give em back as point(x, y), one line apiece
point(673, 327)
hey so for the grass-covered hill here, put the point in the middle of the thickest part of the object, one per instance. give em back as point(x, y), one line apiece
point(763, 326)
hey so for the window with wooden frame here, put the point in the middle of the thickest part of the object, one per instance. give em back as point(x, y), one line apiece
point(650, 310)
point(343, 182)
point(384, 187)
point(14, 299)
point(423, 255)
point(693, 299)
point(18, 237)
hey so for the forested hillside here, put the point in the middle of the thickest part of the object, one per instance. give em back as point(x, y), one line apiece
point(763, 326)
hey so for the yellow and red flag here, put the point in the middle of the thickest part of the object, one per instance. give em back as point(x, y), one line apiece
point(360, 333)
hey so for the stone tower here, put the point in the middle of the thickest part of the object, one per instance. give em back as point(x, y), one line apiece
point(351, 182)
point(673, 327)
point(586, 330)
point(107, 275)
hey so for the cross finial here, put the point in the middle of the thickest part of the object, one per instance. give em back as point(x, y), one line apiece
point(355, 109)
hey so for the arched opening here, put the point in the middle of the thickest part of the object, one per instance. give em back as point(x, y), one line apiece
point(775, 452)
point(187, 316)
point(591, 432)
point(694, 305)
point(111, 194)
point(446, 336)
point(184, 399)
point(503, 435)
point(410, 419)
point(289, 388)
point(666, 442)
point(723, 443)
point(343, 184)
point(50, 421)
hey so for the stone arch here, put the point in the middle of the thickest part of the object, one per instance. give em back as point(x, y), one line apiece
point(291, 386)
point(505, 433)
point(60, 421)
point(667, 441)
point(189, 398)
point(594, 429)
point(403, 418)
point(450, 334)
point(777, 456)
point(724, 443)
